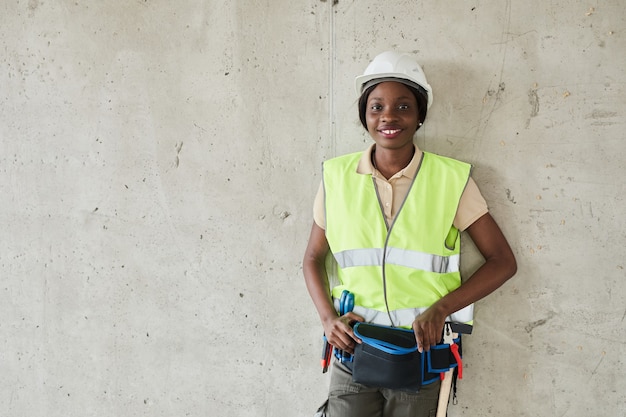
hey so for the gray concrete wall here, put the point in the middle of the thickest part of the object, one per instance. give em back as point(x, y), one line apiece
point(158, 165)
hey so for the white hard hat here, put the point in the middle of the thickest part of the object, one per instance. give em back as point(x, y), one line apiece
point(395, 65)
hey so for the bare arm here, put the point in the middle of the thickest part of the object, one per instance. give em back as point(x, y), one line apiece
point(499, 266)
point(337, 329)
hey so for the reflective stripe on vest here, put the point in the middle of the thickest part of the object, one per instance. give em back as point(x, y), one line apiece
point(415, 260)
point(402, 257)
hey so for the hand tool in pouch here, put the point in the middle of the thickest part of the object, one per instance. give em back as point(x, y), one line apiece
point(326, 355)
point(346, 305)
point(446, 383)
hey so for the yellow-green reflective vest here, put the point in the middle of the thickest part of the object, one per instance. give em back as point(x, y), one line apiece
point(396, 271)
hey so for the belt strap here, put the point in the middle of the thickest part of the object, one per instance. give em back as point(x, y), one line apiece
point(443, 357)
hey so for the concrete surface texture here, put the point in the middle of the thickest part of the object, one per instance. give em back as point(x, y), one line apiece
point(158, 165)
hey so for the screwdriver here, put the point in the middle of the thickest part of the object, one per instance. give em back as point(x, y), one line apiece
point(326, 354)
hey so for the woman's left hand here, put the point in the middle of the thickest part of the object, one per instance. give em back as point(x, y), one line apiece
point(428, 328)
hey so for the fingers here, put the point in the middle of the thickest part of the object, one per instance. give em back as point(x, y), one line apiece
point(422, 341)
point(352, 319)
point(428, 328)
point(426, 336)
point(340, 333)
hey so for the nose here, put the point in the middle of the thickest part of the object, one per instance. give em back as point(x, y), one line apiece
point(388, 114)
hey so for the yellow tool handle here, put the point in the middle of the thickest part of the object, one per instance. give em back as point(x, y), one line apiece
point(444, 394)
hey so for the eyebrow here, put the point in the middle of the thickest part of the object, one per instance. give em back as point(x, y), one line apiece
point(397, 98)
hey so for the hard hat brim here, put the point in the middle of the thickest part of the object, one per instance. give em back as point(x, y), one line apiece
point(361, 80)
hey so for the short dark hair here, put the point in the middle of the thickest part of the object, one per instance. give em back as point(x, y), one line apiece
point(420, 97)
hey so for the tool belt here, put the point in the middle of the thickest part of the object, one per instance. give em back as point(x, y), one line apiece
point(388, 358)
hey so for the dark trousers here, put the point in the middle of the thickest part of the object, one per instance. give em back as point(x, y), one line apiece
point(349, 399)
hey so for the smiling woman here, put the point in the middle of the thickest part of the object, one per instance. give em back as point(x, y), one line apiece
point(391, 217)
point(392, 118)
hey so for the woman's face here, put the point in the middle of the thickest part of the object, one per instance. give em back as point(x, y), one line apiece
point(392, 115)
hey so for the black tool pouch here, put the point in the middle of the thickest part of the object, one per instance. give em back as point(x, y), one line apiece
point(388, 358)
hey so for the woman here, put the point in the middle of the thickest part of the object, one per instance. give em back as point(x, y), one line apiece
point(392, 216)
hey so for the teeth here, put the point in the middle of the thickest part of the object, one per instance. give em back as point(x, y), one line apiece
point(390, 132)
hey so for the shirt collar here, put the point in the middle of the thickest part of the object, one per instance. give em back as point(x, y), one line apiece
point(365, 166)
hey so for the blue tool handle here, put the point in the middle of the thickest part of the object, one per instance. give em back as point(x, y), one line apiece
point(342, 302)
point(347, 306)
point(349, 303)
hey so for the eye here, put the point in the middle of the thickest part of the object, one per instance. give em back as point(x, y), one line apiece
point(376, 107)
point(403, 107)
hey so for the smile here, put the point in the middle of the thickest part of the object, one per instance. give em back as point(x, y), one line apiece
point(390, 133)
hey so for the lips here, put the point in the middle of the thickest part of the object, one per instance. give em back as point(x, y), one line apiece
point(390, 132)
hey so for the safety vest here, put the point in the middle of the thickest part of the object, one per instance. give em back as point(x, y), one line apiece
point(396, 271)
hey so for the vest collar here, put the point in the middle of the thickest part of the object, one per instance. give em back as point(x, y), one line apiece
point(365, 166)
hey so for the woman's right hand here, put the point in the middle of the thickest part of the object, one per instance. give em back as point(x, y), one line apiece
point(339, 333)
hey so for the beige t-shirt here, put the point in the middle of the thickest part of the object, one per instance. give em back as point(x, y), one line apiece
point(393, 191)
